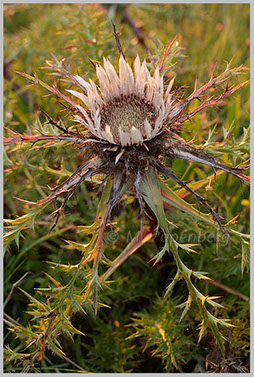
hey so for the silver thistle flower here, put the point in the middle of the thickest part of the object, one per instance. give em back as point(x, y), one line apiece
point(131, 107)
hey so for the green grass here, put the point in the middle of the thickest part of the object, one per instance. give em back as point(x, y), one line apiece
point(209, 34)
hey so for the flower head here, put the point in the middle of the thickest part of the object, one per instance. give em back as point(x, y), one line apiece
point(129, 108)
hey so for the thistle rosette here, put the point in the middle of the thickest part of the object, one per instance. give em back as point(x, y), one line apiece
point(128, 124)
point(126, 128)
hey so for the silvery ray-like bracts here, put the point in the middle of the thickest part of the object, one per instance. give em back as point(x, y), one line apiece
point(127, 108)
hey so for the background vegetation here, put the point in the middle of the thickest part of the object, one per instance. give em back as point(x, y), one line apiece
point(139, 331)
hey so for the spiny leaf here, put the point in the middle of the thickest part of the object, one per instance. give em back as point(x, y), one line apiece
point(41, 306)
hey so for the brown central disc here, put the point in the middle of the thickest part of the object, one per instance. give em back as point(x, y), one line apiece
point(127, 112)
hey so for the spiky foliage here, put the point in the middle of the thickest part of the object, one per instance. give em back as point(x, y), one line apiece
point(116, 171)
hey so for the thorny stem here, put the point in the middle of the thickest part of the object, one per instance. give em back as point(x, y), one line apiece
point(214, 81)
point(117, 38)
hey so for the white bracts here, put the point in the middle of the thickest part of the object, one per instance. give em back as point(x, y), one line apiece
point(126, 109)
